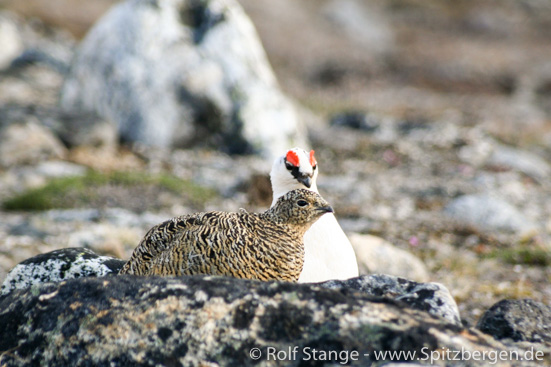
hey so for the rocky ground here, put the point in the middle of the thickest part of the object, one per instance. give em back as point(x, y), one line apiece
point(433, 135)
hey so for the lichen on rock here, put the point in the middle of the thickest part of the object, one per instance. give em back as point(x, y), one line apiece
point(188, 321)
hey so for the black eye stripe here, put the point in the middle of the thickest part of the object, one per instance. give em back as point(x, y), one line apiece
point(294, 170)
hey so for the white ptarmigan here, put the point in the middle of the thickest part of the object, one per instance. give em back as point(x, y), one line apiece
point(328, 252)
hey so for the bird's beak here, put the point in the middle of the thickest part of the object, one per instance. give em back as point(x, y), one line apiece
point(326, 209)
point(306, 181)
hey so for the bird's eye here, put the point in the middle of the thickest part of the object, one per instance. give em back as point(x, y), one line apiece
point(302, 203)
point(289, 166)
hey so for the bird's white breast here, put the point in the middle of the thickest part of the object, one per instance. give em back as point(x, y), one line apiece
point(328, 252)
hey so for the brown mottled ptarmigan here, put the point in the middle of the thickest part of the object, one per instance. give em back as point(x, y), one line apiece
point(263, 246)
point(328, 252)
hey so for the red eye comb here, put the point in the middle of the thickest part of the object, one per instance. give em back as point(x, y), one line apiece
point(292, 158)
point(313, 161)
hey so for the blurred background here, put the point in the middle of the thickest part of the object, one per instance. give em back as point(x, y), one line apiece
point(487, 59)
point(431, 122)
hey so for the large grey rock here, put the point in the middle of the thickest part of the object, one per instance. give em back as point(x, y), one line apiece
point(183, 73)
point(489, 214)
point(520, 320)
point(58, 265)
point(375, 255)
point(214, 321)
point(433, 298)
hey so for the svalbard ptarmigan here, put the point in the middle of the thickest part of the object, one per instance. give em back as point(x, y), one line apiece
point(328, 252)
point(265, 246)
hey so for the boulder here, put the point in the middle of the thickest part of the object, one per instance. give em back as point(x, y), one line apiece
point(375, 255)
point(216, 321)
point(58, 265)
point(182, 73)
point(519, 319)
point(433, 298)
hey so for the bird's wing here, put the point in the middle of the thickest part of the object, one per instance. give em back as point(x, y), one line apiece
point(212, 245)
point(157, 240)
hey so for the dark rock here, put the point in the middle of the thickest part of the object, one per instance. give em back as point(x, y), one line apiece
point(86, 129)
point(411, 125)
point(198, 321)
point(58, 265)
point(37, 56)
point(355, 120)
point(433, 298)
point(520, 320)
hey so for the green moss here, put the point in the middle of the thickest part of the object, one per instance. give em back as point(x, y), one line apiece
point(42, 198)
point(123, 189)
point(525, 255)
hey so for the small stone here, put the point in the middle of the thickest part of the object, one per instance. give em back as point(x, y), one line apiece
point(356, 120)
point(520, 320)
point(53, 169)
point(489, 214)
point(520, 160)
point(86, 129)
point(28, 143)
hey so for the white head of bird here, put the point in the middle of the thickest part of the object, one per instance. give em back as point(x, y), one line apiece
point(296, 169)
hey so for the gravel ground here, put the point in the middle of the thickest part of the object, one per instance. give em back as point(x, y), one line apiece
point(428, 107)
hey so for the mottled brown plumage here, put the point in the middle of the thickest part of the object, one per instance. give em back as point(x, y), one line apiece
point(266, 246)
